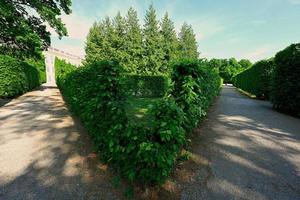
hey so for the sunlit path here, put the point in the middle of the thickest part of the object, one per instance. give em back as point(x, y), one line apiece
point(45, 153)
point(253, 152)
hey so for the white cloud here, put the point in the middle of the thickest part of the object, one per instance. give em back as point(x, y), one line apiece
point(257, 54)
point(78, 27)
point(206, 28)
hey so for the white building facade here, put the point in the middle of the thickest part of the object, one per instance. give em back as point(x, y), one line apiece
point(50, 56)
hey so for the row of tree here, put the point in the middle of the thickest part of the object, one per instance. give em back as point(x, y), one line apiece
point(147, 50)
point(228, 68)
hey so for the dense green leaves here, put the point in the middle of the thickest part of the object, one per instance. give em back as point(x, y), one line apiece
point(23, 33)
point(228, 68)
point(195, 86)
point(146, 85)
point(257, 79)
point(139, 152)
point(147, 51)
point(153, 54)
point(187, 43)
point(62, 69)
point(17, 77)
point(286, 82)
point(169, 42)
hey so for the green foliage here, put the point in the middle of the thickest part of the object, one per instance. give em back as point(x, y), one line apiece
point(195, 86)
point(169, 42)
point(62, 69)
point(17, 77)
point(153, 54)
point(133, 45)
point(147, 86)
point(24, 33)
point(285, 93)
point(245, 64)
point(257, 79)
point(228, 68)
point(187, 43)
point(40, 66)
point(147, 51)
point(140, 152)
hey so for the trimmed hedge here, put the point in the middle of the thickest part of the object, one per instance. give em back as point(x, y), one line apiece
point(18, 77)
point(196, 84)
point(257, 79)
point(146, 86)
point(146, 154)
point(62, 69)
point(285, 94)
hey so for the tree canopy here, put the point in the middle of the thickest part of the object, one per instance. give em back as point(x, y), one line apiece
point(147, 50)
point(23, 29)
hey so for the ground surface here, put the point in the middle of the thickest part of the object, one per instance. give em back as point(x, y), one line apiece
point(243, 150)
point(246, 150)
point(45, 153)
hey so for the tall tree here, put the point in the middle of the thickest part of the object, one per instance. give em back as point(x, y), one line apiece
point(169, 40)
point(109, 47)
point(94, 49)
point(119, 38)
point(187, 42)
point(26, 33)
point(133, 42)
point(153, 54)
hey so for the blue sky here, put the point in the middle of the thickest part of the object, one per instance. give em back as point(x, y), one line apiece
point(254, 29)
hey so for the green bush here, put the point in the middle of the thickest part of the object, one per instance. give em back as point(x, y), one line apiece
point(17, 77)
point(140, 153)
point(39, 64)
point(285, 93)
point(257, 79)
point(62, 69)
point(96, 93)
point(195, 86)
point(146, 86)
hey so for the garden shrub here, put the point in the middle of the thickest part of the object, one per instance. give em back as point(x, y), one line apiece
point(147, 86)
point(17, 77)
point(62, 68)
point(257, 79)
point(195, 86)
point(39, 64)
point(146, 154)
point(96, 93)
point(285, 94)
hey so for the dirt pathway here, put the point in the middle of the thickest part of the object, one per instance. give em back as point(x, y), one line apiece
point(252, 151)
point(45, 153)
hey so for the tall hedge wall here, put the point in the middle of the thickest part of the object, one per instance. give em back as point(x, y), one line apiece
point(196, 84)
point(257, 79)
point(146, 86)
point(97, 94)
point(18, 77)
point(62, 69)
point(286, 81)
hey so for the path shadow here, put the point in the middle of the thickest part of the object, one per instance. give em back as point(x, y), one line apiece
point(52, 154)
point(243, 150)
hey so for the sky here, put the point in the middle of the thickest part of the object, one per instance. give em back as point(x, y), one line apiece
point(250, 29)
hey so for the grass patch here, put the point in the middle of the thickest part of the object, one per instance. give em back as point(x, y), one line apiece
point(137, 109)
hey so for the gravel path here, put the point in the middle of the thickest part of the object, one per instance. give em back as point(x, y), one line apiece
point(253, 152)
point(45, 153)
